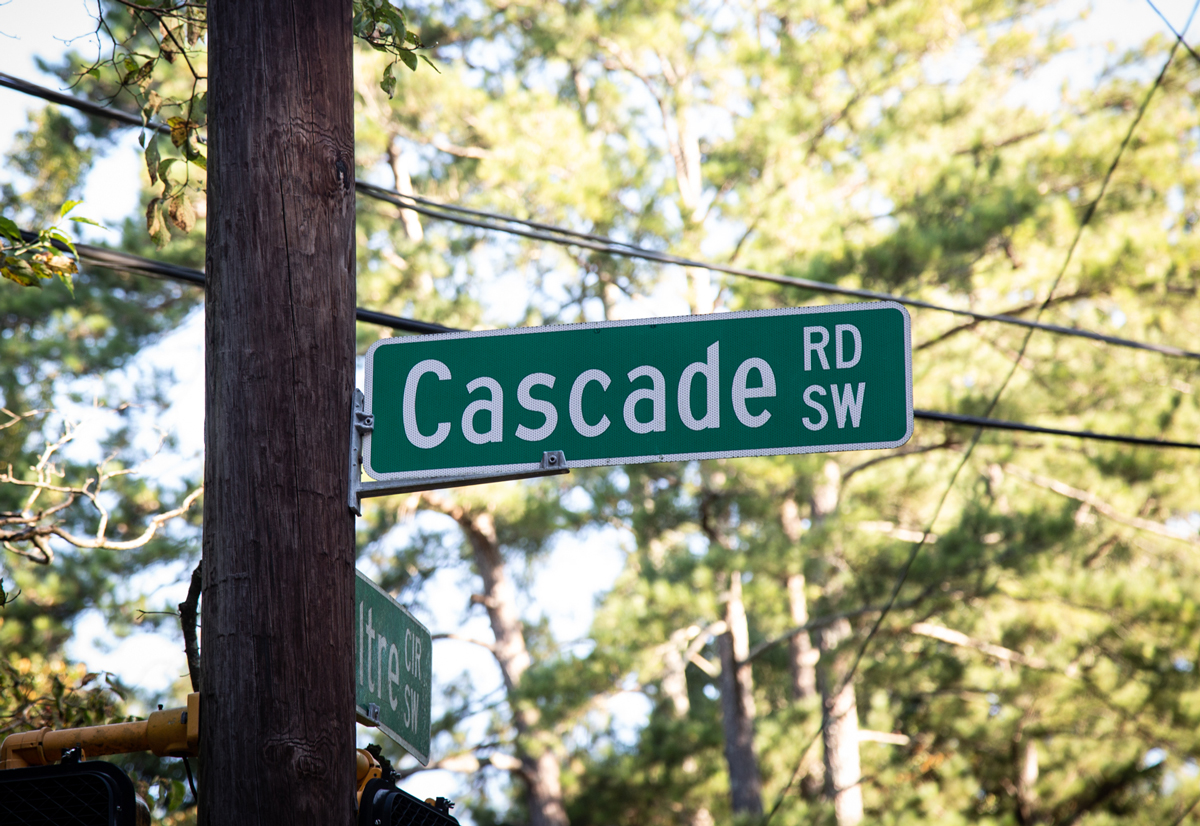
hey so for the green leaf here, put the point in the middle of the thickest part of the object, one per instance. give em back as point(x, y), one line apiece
point(164, 167)
point(9, 229)
point(65, 278)
point(67, 207)
point(177, 793)
point(431, 66)
point(410, 60)
point(59, 235)
point(81, 220)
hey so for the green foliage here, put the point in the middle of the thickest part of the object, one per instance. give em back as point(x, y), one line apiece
point(385, 29)
point(28, 262)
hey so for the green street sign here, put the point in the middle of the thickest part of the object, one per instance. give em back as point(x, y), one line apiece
point(393, 659)
point(759, 383)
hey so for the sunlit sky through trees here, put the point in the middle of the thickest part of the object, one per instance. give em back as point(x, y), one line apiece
point(581, 565)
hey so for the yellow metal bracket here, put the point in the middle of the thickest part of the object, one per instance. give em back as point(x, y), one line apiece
point(173, 732)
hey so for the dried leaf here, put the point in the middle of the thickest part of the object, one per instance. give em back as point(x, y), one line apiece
point(20, 271)
point(152, 159)
point(180, 129)
point(156, 228)
point(180, 210)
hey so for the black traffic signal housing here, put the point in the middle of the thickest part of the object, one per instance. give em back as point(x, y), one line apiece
point(91, 793)
point(384, 805)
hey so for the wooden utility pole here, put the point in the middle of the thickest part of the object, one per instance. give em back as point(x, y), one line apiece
point(277, 737)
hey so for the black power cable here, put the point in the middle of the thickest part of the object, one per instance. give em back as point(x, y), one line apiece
point(137, 265)
point(482, 219)
point(565, 237)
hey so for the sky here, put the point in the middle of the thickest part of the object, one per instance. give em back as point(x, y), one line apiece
point(578, 568)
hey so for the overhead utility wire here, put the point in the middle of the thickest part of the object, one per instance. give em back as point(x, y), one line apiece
point(569, 237)
point(1001, 424)
point(85, 106)
point(138, 265)
point(1178, 36)
point(125, 262)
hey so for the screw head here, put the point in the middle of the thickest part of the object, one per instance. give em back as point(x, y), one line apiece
point(553, 459)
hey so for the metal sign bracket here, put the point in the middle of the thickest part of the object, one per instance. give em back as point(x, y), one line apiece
point(554, 463)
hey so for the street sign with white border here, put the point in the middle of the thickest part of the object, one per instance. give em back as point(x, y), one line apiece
point(762, 382)
point(393, 663)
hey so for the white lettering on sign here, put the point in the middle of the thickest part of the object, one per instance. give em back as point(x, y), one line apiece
point(839, 338)
point(493, 406)
point(711, 371)
point(848, 403)
point(809, 392)
point(383, 649)
point(656, 394)
point(380, 661)
point(536, 406)
point(816, 339)
point(412, 707)
point(369, 646)
point(412, 654)
point(393, 675)
point(411, 431)
point(741, 391)
point(645, 407)
point(575, 403)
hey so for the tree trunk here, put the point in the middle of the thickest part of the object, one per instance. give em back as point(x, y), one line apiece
point(802, 656)
point(674, 680)
point(840, 733)
point(277, 722)
point(536, 749)
point(1027, 796)
point(410, 219)
point(737, 704)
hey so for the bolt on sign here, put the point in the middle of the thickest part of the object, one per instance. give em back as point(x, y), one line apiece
point(393, 659)
point(758, 383)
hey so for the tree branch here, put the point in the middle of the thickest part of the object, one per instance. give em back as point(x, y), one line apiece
point(42, 531)
point(187, 622)
point(999, 652)
point(461, 638)
point(1099, 505)
point(907, 450)
point(821, 622)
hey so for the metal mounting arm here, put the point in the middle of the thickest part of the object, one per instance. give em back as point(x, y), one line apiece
point(554, 463)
